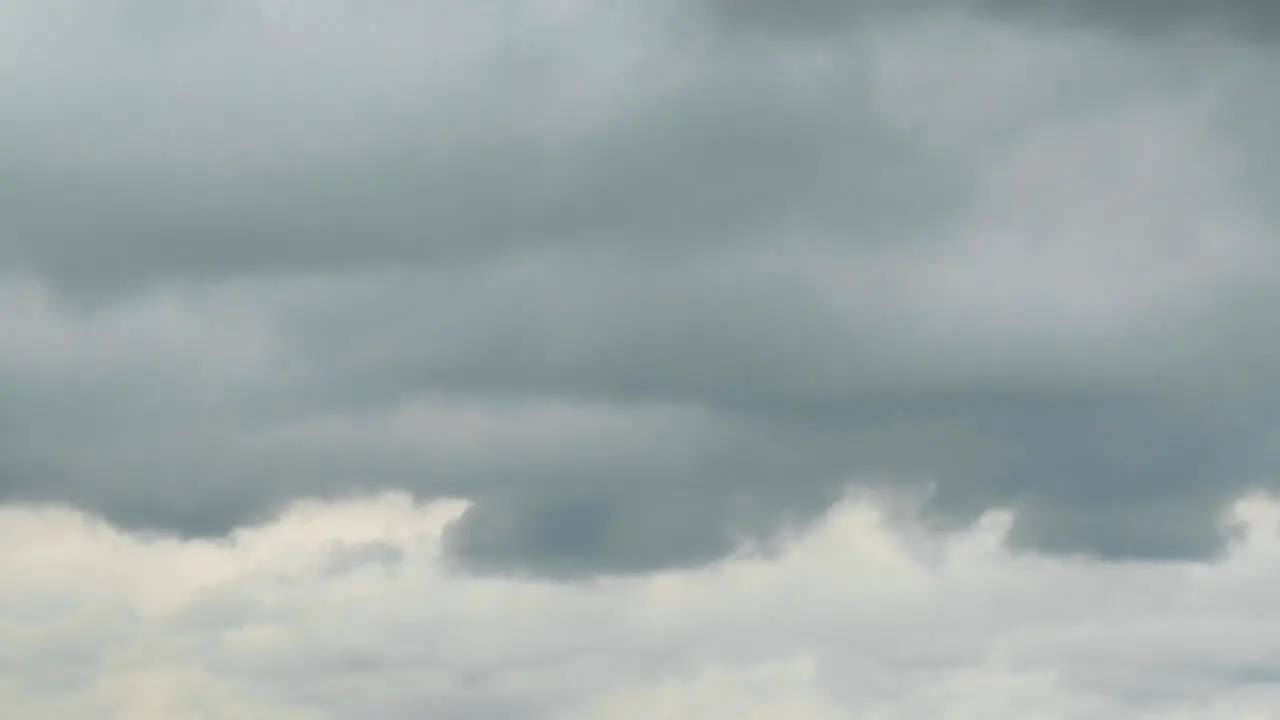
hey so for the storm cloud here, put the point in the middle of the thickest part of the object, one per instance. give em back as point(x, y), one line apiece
point(641, 279)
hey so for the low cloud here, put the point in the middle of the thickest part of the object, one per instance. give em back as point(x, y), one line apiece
point(350, 609)
point(631, 280)
point(1252, 20)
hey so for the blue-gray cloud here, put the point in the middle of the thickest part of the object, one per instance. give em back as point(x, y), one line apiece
point(637, 282)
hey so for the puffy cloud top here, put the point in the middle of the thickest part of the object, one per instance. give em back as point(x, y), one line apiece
point(350, 610)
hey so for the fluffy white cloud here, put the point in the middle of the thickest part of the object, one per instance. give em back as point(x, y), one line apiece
point(349, 609)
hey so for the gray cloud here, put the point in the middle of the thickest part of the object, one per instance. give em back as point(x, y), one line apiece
point(640, 465)
point(634, 287)
point(1252, 19)
point(232, 147)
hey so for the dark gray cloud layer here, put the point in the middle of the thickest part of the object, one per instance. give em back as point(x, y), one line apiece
point(1250, 19)
point(636, 283)
point(206, 162)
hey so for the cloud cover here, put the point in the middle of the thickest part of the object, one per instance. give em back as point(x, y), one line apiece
point(351, 609)
point(611, 267)
point(1253, 20)
point(660, 292)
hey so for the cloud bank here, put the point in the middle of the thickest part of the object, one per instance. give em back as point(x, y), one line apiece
point(652, 289)
point(609, 268)
point(351, 609)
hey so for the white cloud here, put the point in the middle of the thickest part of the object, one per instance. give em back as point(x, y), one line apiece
point(348, 609)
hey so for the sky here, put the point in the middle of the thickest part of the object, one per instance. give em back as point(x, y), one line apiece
point(608, 359)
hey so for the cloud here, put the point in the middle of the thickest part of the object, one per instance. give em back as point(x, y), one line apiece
point(253, 137)
point(351, 609)
point(197, 411)
point(794, 360)
point(635, 285)
point(1255, 20)
point(249, 138)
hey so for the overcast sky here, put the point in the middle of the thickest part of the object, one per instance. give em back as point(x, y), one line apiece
point(615, 359)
